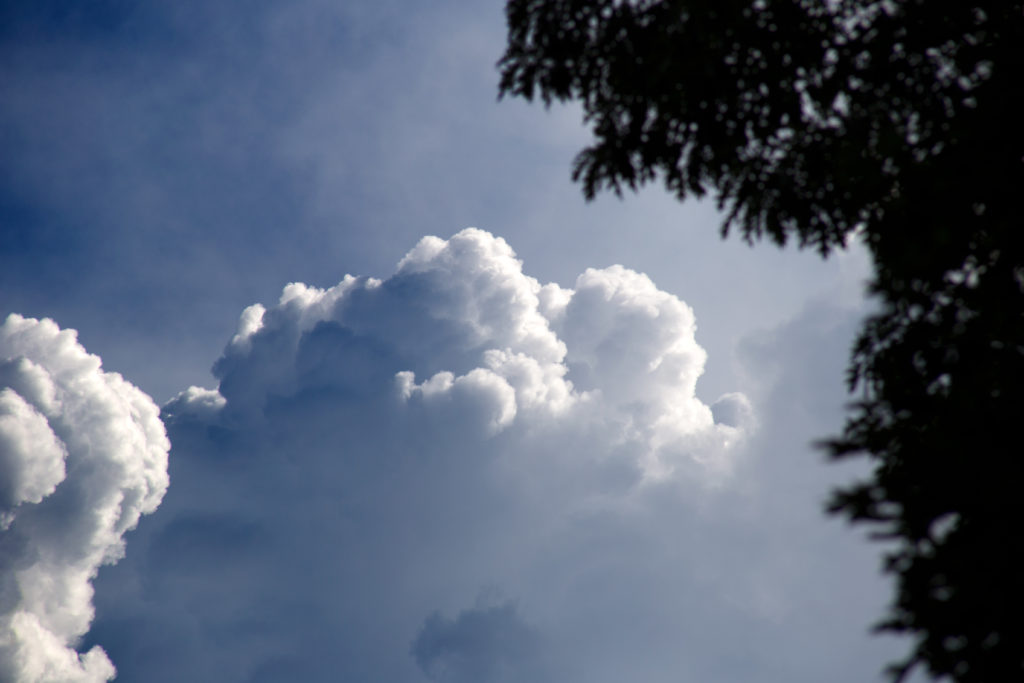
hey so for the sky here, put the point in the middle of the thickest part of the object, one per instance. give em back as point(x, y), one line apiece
point(319, 367)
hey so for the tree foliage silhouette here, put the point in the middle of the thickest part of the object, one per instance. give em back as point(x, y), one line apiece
point(900, 121)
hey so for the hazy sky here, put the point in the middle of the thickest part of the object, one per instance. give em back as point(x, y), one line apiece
point(572, 444)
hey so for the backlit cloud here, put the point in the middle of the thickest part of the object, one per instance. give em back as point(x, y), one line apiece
point(459, 473)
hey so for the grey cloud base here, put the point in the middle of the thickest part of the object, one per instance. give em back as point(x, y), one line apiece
point(83, 454)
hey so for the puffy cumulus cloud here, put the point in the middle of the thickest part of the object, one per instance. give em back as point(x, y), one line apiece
point(381, 456)
point(460, 328)
point(83, 454)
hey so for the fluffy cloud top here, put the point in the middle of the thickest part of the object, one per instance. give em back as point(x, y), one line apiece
point(460, 325)
point(457, 474)
point(83, 454)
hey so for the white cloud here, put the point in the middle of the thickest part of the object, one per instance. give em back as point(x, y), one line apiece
point(380, 454)
point(479, 333)
point(32, 456)
point(82, 455)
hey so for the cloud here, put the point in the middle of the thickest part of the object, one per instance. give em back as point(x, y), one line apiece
point(484, 643)
point(83, 454)
point(460, 325)
point(380, 454)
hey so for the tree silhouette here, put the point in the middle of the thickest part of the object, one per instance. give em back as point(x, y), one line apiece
point(900, 121)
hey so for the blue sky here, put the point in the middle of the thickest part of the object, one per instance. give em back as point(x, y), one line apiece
point(167, 165)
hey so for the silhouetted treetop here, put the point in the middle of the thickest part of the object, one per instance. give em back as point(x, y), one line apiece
point(803, 117)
